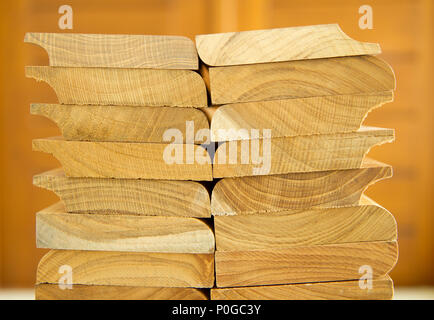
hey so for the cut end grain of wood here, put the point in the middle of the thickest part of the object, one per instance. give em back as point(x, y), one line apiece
point(116, 51)
point(382, 289)
point(125, 160)
point(121, 123)
point(134, 87)
point(180, 270)
point(281, 44)
point(295, 192)
point(127, 196)
point(57, 229)
point(84, 292)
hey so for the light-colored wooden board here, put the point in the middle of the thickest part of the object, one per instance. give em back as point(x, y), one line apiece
point(382, 289)
point(366, 222)
point(57, 229)
point(135, 87)
point(127, 196)
point(116, 50)
point(83, 292)
point(297, 154)
point(293, 117)
point(125, 160)
point(122, 123)
point(298, 79)
point(295, 192)
point(280, 44)
point(304, 264)
point(128, 269)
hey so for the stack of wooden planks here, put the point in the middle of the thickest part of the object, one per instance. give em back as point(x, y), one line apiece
point(296, 225)
point(257, 151)
point(129, 226)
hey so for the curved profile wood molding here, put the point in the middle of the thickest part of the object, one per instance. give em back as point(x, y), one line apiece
point(57, 229)
point(85, 292)
point(127, 196)
point(125, 160)
point(365, 222)
point(295, 192)
point(297, 154)
point(382, 289)
point(293, 117)
point(116, 51)
point(121, 123)
point(128, 268)
point(298, 79)
point(282, 44)
point(334, 262)
point(135, 87)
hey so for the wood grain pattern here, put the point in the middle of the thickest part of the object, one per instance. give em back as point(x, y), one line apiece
point(280, 44)
point(129, 268)
point(299, 79)
point(293, 117)
point(304, 264)
point(57, 229)
point(116, 50)
point(120, 123)
point(368, 222)
point(382, 289)
point(297, 154)
point(127, 196)
point(83, 292)
point(135, 87)
point(295, 192)
point(123, 160)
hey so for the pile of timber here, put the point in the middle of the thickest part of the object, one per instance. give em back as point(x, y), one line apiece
point(279, 138)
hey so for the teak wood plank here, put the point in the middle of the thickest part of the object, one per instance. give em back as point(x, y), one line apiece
point(125, 160)
point(121, 123)
point(297, 154)
point(57, 229)
point(298, 79)
point(304, 264)
point(135, 87)
point(293, 117)
point(128, 268)
point(281, 44)
point(116, 50)
point(127, 196)
point(295, 192)
point(84, 292)
point(382, 289)
point(365, 222)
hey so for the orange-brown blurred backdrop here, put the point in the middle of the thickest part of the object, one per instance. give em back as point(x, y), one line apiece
point(404, 28)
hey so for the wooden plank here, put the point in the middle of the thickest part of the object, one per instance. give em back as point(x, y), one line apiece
point(293, 117)
point(304, 264)
point(57, 229)
point(366, 222)
point(295, 192)
point(116, 50)
point(299, 79)
point(125, 160)
point(135, 87)
point(121, 123)
point(382, 289)
point(84, 292)
point(180, 270)
point(127, 196)
point(297, 154)
point(280, 44)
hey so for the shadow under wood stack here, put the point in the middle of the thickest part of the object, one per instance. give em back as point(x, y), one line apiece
point(288, 175)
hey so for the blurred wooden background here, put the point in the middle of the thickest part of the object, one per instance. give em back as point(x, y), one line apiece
point(404, 28)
